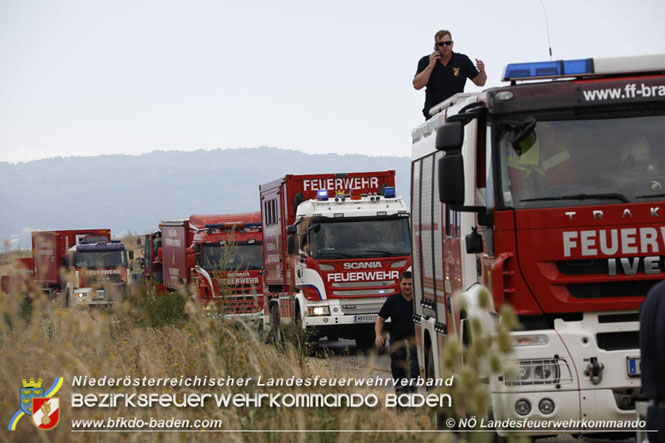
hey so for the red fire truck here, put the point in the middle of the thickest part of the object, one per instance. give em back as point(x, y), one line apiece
point(548, 192)
point(151, 261)
point(98, 266)
point(21, 279)
point(222, 256)
point(334, 248)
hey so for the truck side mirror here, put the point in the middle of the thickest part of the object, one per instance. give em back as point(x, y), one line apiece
point(451, 178)
point(449, 138)
point(297, 199)
point(474, 242)
point(131, 255)
point(291, 245)
point(138, 240)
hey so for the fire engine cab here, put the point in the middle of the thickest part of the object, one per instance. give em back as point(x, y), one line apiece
point(549, 192)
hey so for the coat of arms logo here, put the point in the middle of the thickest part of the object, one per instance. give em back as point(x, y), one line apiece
point(41, 405)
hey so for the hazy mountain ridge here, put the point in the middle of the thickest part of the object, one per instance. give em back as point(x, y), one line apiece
point(132, 194)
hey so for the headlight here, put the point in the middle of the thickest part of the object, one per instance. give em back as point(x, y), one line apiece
point(539, 372)
point(318, 310)
point(530, 340)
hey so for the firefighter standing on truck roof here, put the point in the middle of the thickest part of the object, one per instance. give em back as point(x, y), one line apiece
point(403, 356)
point(652, 350)
point(444, 72)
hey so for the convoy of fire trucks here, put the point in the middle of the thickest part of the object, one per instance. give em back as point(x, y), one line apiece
point(547, 193)
point(78, 267)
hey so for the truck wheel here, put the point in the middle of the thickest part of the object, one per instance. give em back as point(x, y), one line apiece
point(309, 336)
point(260, 332)
point(438, 418)
point(275, 327)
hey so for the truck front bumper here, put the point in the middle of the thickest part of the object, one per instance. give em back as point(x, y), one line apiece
point(96, 297)
point(564, 416)
point(580, 377)
point(334, 320)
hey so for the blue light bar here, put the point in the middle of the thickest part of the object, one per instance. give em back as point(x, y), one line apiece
point(322, 195)
point(389, 192)
point(557, 68)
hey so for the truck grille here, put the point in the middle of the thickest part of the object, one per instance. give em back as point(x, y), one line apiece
point(99, 280)
point(364, 289)
point(360, 284)
point(583, 267)
point(365, 293)
point(598, 266)
point(361, 306)
point(240, 289)
point(611, 289)
point(242, 304)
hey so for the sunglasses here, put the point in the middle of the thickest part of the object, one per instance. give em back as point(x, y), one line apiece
point(440, 44)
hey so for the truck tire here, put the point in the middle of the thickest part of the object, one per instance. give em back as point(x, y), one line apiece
point(438, 418)
point(275, 327)
point(309, 335)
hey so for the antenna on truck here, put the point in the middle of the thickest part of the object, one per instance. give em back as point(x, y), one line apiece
point(547, 28)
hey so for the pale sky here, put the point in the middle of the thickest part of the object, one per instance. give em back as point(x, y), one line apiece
point(91, 77)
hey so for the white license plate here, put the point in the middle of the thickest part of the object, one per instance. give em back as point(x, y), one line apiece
point(633, 366)
point(365, 318)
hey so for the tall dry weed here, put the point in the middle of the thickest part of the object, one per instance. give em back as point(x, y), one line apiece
point(151, 336)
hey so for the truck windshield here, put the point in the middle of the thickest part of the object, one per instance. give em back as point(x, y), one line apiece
point(101, 259)
point(583, 162)
point(359, 238)
point(232, 257)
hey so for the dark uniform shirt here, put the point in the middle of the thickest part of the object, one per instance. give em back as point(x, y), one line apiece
point(400, 313)
point(652, 343)
point(446, 81)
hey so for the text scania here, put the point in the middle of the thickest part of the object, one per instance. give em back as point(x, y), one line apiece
point(341, 183)
point(362, 265)
point(363, 276)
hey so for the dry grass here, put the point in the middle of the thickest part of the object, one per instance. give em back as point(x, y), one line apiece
point(45, 340)
point(169, 336)
point(8, 260)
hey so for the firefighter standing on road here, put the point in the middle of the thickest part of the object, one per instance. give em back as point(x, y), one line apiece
point(403, 356)
point(652, 350)
point(444, 72)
